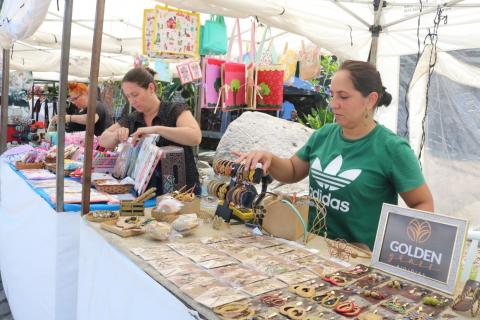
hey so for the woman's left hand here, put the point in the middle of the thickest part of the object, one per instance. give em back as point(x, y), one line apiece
point(143, 131)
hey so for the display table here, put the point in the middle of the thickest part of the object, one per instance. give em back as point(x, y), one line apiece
point(112, 286)
point(38, 252)
point(116, 284)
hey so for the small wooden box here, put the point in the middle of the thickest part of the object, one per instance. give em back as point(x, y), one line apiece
point(131, 208)
point(173, 168)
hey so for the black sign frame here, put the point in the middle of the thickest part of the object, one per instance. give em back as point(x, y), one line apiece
point(419, 231)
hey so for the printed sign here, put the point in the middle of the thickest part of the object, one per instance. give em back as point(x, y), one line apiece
point(419, 246)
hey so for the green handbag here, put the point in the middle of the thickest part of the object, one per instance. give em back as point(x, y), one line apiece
point(213, 36)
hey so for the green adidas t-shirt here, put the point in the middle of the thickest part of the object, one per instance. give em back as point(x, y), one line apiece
point(353, 178)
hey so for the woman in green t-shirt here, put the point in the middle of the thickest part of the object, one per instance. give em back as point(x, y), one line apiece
point(354, 165)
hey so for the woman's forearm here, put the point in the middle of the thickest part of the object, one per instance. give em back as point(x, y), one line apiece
point(80, 118)
point(182, 135)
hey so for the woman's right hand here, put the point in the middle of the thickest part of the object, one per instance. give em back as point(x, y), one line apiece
point(122, 134)
point(253, 157)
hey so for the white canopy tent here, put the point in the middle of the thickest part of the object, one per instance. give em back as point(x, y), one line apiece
point(122, 35)
point(343, 27)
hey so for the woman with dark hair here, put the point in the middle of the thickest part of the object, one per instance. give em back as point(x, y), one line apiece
point(354, 165)
point(173, 122)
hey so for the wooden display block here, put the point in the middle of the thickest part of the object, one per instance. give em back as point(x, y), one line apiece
point(112, 227)
point(131, 208)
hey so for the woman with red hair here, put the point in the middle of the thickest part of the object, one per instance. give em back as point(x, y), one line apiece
point(78, 93)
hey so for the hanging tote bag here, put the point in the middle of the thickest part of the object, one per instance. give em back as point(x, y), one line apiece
point(234, 82)
point(266, 55)
point(235, 35)
point(212, 82)
point(176, 33)
point(269, 87)
point(214, 36)
point(289, 60)
point(309, 62)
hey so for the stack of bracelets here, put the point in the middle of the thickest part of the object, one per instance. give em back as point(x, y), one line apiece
point(241, 195)
point(236, 170)
point(217, 189)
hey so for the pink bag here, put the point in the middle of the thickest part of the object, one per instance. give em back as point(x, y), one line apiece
point(234, 79)
point(212, 82)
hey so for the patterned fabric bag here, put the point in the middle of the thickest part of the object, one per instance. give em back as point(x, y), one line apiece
point(309, 62)
point(269, 87)
point(234, 80)
point(266, 55)
point(172, 33)
point(289, 60)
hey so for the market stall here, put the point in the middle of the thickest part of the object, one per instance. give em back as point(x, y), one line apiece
point(231, 274)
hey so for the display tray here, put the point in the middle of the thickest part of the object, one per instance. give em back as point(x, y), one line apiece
point(90, 217)
point(111, 226)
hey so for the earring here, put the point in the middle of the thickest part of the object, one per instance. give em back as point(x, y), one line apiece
point(366, 115)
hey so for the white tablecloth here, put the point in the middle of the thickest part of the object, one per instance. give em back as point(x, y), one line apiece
point(110, 286)
point(38, 252)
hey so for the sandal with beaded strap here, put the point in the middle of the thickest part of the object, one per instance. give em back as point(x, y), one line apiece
point(470, 294)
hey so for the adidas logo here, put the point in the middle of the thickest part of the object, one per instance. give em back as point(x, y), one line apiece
point(331, 178)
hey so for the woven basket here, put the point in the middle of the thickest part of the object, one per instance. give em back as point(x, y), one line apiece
point(20, 165)
point(165, 217)
point(52, 167)
point(112, 188)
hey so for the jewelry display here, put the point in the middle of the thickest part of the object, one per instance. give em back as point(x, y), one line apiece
point(348, 309)
point(336, 279)
point(358, 271)
point(273, 300)
point(256, 271)
point(396, 305)
point(375, 294)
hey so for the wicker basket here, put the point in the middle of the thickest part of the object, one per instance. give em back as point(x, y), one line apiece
point(100, 185)
point(52, 167)
point(20, 165)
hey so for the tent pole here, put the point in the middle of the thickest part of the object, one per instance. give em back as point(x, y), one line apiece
point(62, 102)
point(445, 4)
point(340, 5)
point(92, 104)
point(4, 115)
point(375, 29)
